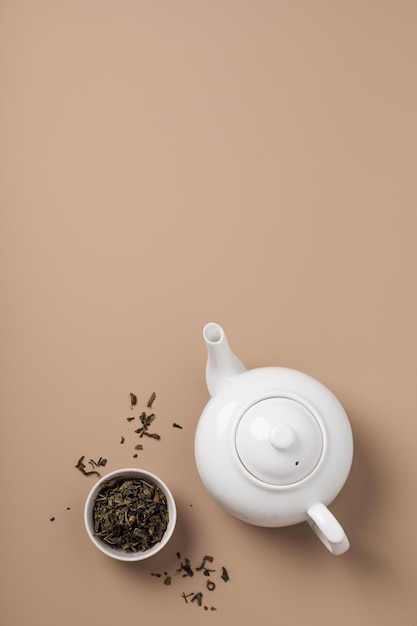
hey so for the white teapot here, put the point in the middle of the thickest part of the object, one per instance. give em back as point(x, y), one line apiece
point(273, 445)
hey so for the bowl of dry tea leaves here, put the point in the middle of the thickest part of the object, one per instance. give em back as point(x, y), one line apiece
point(130, 514)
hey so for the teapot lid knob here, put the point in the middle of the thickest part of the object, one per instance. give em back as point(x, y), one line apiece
point(279, 440)
point(282, 437)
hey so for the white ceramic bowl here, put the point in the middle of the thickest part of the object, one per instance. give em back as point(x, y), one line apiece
point(119, 553)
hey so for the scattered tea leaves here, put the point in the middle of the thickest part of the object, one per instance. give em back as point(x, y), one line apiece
point(133, 400)
point(122, 440)
point(52, 519)
point(187, 570)
point(101, 462)
point(167, 580)
point(81, 466)
point(145, 420)
point(175, 425)
point(138, 447)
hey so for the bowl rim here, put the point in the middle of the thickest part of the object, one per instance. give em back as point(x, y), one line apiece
point(119, 553)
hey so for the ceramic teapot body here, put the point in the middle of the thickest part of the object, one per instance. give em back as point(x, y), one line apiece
point(273, 445)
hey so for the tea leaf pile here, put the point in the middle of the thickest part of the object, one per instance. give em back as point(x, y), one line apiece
point(131, 514)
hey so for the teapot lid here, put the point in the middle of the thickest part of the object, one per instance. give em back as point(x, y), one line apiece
point(279, 440)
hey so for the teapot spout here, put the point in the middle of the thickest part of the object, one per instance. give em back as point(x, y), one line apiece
point(222, 363)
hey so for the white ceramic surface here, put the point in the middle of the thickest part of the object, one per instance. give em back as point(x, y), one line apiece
point(273, 445)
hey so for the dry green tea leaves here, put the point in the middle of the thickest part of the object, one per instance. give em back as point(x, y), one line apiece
point(186, 570)
point(101, 461)
point(225, 574)
point(151, 400)
point(131, 514)
point(146, 420)
point(81, 466)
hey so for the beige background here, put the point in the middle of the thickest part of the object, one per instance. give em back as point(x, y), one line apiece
point(165, 164)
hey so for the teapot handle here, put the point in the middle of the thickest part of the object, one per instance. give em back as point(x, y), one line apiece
point(327, 528)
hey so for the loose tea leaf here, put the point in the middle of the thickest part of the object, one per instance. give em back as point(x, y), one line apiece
point(206, 570)
point(175, 425)
point(198, 597)
point(186, 567)
point(151, 400)
point(81, 466)
point(152, 435)
point(186, 596)
point(133, 400)
point(131, 514)
point(225, 574)
point(205, 558)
